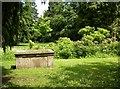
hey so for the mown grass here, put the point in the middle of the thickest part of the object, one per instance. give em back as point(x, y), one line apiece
point(83, 72)
point(25, 46)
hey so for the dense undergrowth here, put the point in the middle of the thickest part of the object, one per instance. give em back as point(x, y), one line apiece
point(64, 48)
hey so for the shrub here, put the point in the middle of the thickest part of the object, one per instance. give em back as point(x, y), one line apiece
point(31, 44)
point(91, 34)
point(114, 46)
point(52, 45)
point(109, 48)
point(119, 49)
point(64, 48)
point(104, 48)
point(91, 50)
point(79, 49)
point(87, 30)
point(98, 36)
point(100, 55)
point(84, 50)
point(87, 40)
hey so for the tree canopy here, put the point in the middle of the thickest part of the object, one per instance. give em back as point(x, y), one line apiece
point(62, 19)
point(68, 18)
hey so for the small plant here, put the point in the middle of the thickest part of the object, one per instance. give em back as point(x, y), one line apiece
point(31, 44)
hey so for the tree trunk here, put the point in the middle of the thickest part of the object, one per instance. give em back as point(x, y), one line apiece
point(10, 47)
point(4, 49)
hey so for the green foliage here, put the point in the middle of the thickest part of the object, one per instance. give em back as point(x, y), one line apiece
point(17, 21)
point(62, 19)
point(36, 47)
point(119, 49)
point(28, 19)
point(104, 31)
point(101, 55)
point(83, 50)
point(68, 17)
point(110, 49)
point(91, 35)
point(87, 40)
point(57, 22)
point(114, 47)
point(8, 56)
point(87, 30)
point(64, 48)
point(79, 49)
point(10, 23)
point(41, 31)
point(31, 44)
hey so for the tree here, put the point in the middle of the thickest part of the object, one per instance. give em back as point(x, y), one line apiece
point(10, 23)
point(28, 18)
point(63, 19)
point(115, 26)
point(17, 19)
point(77, 15)
point(41, 31)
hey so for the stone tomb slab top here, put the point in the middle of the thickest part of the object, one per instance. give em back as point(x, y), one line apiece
point(46, 52)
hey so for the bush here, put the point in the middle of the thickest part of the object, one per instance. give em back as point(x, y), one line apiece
point(104, 48)
point(100, 55)
point(114, 46)
point(52, 45)
point(79, 49)
point(31, 44)
point(83, 50)
point(64, 48)
point(109, 48)
point(91, 50)
point(119, 49)
point(90, 34)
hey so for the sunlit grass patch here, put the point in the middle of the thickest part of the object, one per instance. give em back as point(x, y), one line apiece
point(84, 72)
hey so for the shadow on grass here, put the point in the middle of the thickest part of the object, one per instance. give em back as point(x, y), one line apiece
point(6, 78)
point(7, 84)
point(88, 75)
point(81, 75)
point(4, 73)
point(21, 45)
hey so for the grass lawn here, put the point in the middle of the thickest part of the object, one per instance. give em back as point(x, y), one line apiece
point(84, 72)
